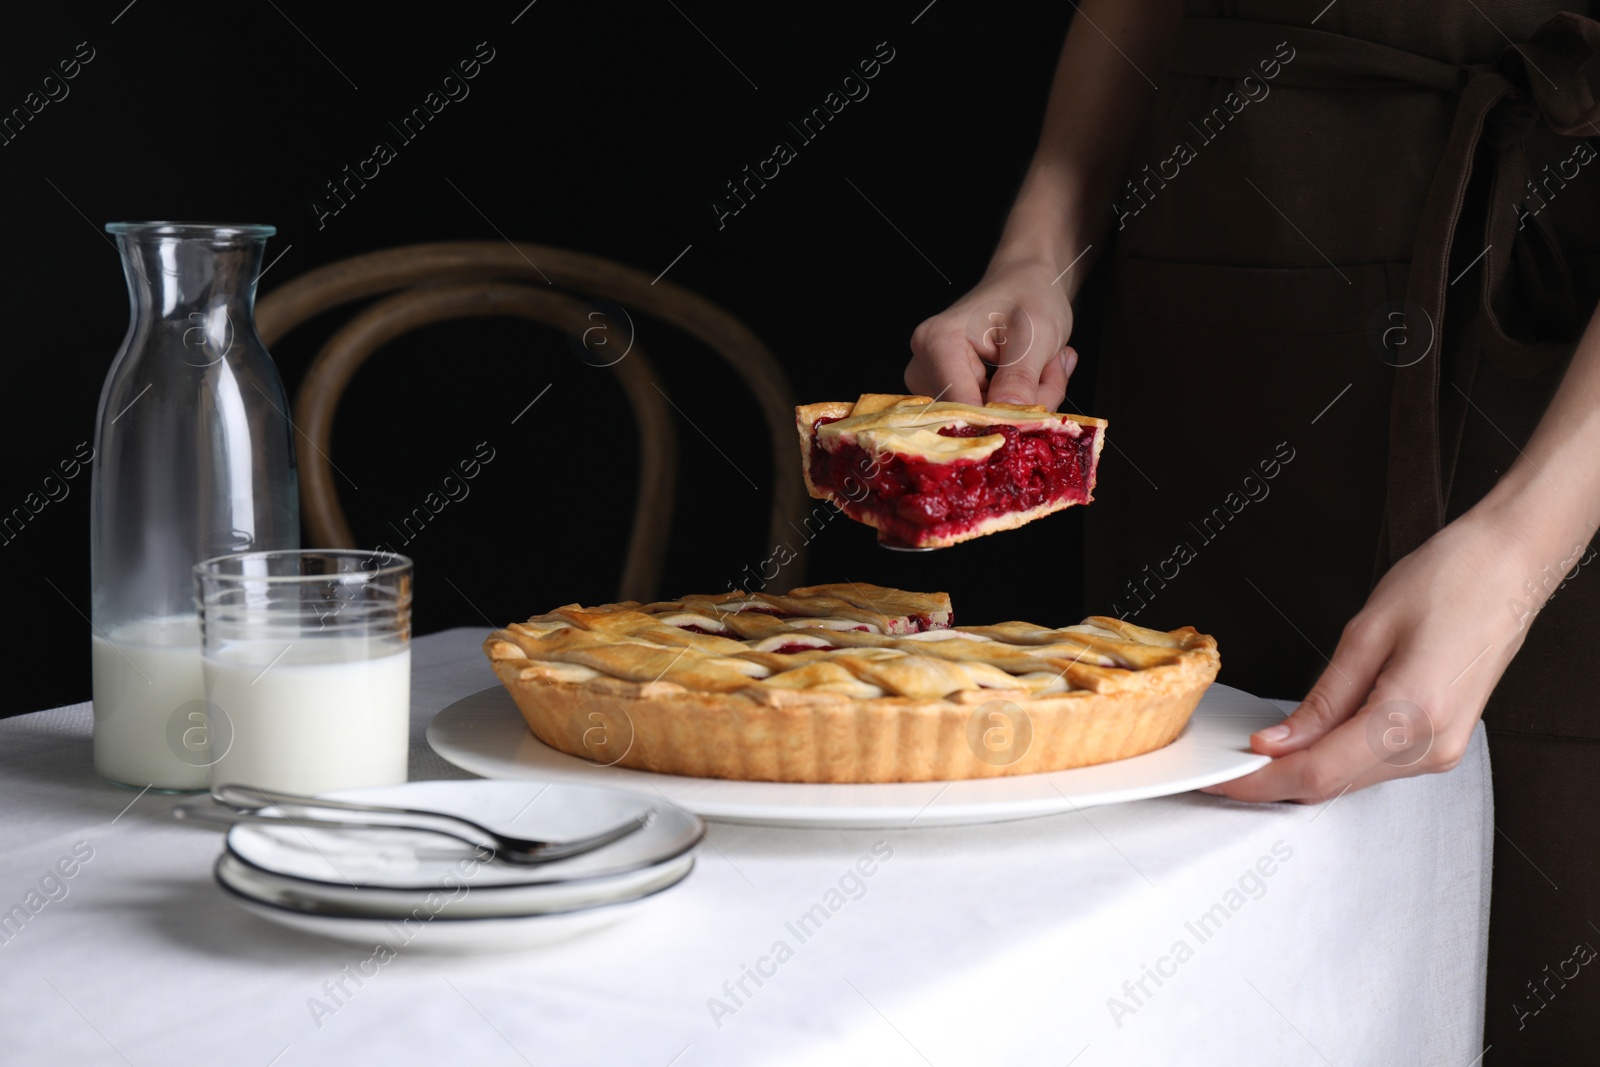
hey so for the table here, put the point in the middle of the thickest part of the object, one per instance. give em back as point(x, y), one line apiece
point(1183, 930)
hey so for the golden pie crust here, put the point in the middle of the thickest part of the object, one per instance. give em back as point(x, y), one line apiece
point(845, 683)
point(908, 426)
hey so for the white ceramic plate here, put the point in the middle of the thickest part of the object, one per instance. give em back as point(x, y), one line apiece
point(443, 935)
point(463, 900)
point(407, 860)
point(484, 733)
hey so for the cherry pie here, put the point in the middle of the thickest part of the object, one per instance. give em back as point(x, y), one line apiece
point(845, 683)
point(928, 474)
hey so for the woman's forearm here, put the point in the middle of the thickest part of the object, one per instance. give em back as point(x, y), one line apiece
point(1098, 104)
point(1548, 500)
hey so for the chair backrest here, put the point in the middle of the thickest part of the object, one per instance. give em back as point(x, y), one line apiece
point(450, 280)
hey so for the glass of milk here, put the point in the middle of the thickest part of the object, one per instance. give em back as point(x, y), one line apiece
point(307, 662)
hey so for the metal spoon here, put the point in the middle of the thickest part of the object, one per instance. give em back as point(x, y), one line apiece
point(245, 804)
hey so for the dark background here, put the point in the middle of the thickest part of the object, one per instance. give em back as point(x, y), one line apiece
point(602, 127)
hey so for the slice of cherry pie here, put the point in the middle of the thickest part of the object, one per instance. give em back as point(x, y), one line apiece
point(845, 683)
point(928, 474)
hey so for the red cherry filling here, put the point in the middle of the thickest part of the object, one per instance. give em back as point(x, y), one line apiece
point(916, 624)
point(914, 499)
point(794, 646)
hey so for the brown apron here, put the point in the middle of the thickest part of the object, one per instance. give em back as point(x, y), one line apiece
point(1353, 259)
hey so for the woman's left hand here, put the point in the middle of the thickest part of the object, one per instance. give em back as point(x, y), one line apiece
point(1413, 670)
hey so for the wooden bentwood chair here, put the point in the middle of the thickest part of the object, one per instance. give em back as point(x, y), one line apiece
point(431, 283)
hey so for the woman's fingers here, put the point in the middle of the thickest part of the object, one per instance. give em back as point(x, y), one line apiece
point(1411, 722)
point(1016, 376)
point(943, 364)
point(1340, 692)
point(1341, 760)
point(1015, 324)
point(1305, 761)
point(1388, 737)
point(1020, 344)
point(1053, 379)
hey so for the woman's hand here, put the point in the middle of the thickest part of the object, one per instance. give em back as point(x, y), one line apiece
point(1017, 321)
point(1413, 670)
point(1415, 667)
point(1019, 318)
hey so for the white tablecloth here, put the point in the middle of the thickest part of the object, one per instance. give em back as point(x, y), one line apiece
point(1186, 930)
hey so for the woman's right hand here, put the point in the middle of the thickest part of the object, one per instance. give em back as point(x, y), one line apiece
point(1018, 321)
point(1019, 318)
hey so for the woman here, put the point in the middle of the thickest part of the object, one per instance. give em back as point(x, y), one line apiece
point(1353, 374)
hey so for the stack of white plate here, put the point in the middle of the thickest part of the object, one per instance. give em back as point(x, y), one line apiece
point(414, 889)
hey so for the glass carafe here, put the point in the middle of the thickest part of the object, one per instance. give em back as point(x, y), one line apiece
point(194, 459)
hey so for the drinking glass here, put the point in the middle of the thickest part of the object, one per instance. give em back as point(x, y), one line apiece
point(307, 663)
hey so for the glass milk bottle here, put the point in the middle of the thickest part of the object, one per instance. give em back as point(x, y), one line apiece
point(194, 459)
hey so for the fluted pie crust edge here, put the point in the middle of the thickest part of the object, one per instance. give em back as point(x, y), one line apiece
point(884, 739)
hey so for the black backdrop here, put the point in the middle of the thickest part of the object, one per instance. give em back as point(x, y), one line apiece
point(604, 127)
